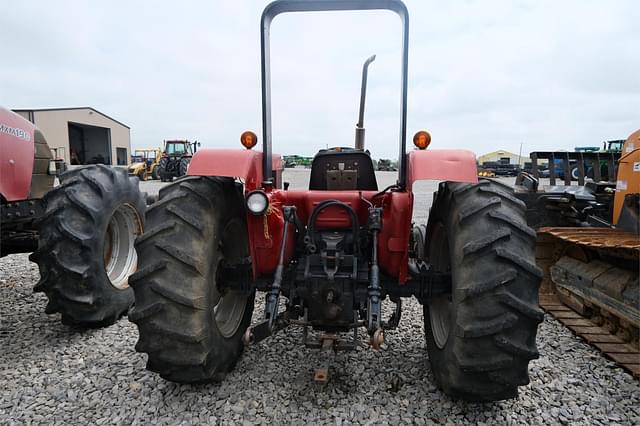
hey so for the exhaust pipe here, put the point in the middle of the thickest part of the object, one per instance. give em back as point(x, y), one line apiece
point(363, 93)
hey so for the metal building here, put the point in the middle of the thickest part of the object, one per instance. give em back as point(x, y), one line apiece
point(504, 157)
point(82, 135)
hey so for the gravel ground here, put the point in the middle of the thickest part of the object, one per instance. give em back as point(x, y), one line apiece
point(50, 373)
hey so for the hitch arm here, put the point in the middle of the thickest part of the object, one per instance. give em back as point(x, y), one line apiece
point(273, 296)
point(375, 302)
point(269, 324)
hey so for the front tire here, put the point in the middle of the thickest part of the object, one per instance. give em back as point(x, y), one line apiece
point(189, 326)
point(481, 336)
point(85, 250)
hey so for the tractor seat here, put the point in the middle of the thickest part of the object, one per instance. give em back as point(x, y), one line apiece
point(342, 169)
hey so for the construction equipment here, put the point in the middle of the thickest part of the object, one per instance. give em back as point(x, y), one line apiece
point(564, 204)
point(501, 168)
point(175, 158)
point(613, 147)
point(590, 256)
point(81, 232)
point(486, 171)
point(144, 163)
point(297, 161)
point(328, 257)
point(386, 166)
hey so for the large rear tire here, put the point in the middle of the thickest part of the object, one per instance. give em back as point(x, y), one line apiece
point(481, 337)
point(191, 327)
point(184, 165)
point(86, 245)
point(162, 170)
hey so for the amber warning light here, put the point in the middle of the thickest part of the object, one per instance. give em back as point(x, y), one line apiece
point(422, 139)
point(248, 139)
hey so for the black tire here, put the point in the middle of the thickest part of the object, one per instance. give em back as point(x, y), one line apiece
point(154, 173)
point(141, 175)
point(487, 326)
point(76, 239)
point(195, 223)
point(184, 165)
point(162, 169)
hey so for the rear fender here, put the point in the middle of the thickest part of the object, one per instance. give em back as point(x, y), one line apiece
point(243, 164)
point(17, 151)
point(456, 165)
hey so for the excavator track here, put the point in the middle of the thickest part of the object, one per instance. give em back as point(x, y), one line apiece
point(626, 355)
point(591, 286)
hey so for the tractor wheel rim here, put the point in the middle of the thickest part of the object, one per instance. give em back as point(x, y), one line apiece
point(231, 305)
point(440, 318)
point(120, 257)
point(229, 311)
point(440, 308)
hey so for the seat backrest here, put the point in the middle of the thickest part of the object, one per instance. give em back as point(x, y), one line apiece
point(342, 169)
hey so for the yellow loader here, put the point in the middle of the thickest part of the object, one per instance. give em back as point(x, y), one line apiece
point(144, 163)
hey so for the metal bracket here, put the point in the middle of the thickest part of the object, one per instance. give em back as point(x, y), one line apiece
point(327, 352)
point(21, 211)
point(394, 319)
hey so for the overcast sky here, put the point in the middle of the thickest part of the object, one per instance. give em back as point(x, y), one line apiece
point(483, 75)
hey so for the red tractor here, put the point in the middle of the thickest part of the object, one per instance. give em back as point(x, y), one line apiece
point(175, 159)
point(327, 257)
point(81, 232)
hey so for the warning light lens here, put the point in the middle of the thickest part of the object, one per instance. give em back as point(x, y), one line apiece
point(422, 139)
point(248, 139)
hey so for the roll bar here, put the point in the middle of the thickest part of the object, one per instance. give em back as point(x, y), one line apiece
point(284, 6)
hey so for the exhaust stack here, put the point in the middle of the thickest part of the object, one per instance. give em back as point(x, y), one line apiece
point(363, 93)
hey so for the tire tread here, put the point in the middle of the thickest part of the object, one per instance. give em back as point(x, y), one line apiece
point(492, 338)
point(70, 248)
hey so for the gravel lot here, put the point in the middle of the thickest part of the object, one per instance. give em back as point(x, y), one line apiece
point(50, 373)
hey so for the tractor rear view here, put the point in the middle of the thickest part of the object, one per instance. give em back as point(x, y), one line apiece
point(327, 257)
point(81, 232)
point(175, 159)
